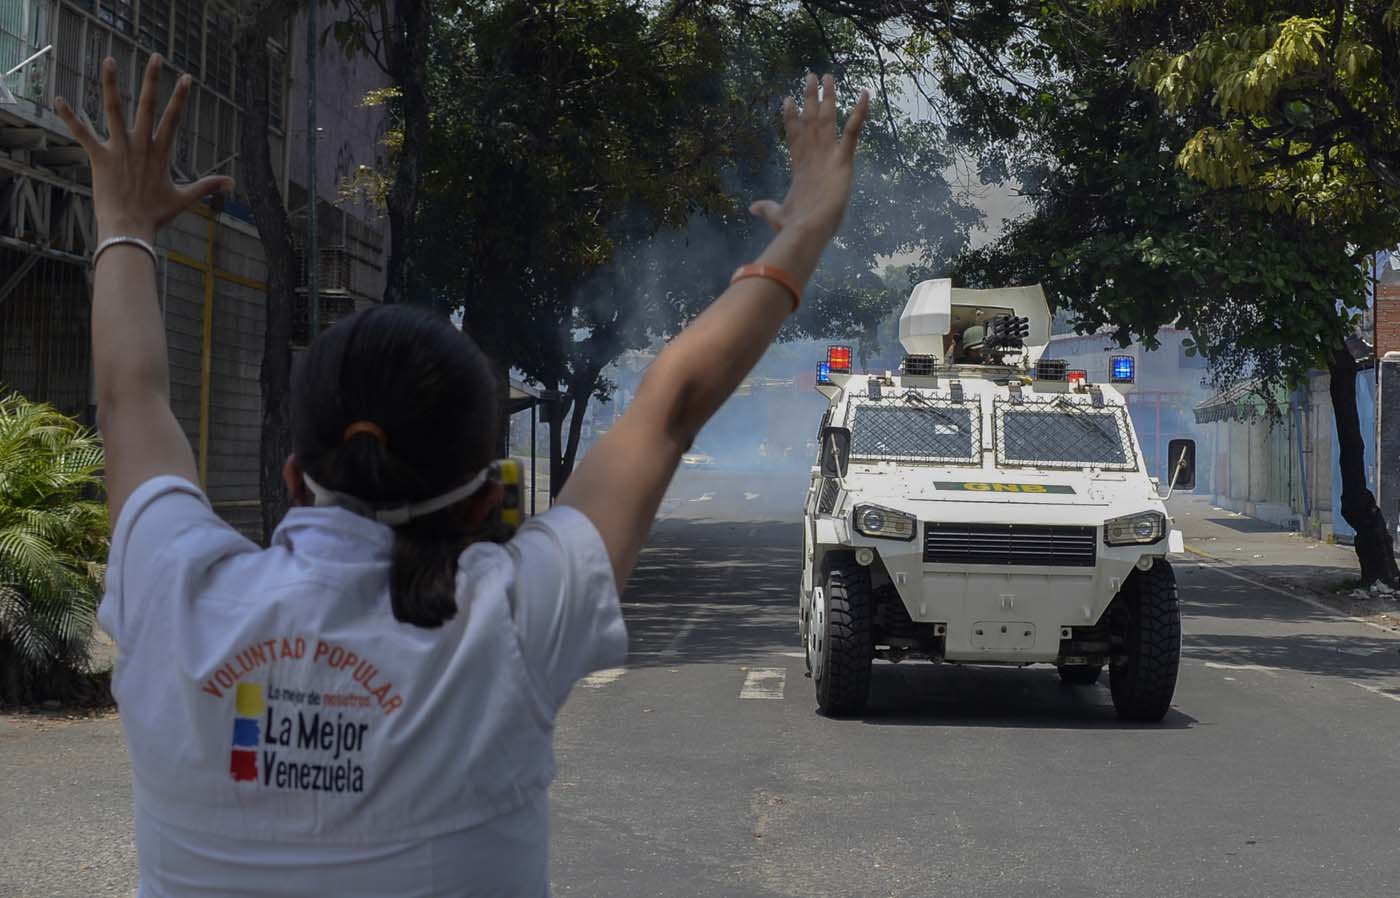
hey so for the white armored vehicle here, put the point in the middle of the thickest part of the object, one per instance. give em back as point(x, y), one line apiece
point(985, 505)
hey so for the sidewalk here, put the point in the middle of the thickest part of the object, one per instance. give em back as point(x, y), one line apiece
point(1306, 567)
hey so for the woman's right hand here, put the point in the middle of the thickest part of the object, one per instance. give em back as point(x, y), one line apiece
point(822, 168)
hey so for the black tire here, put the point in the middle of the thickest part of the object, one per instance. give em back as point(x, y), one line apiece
point(844, 647)
point(1148, 620)
point(1080, 674)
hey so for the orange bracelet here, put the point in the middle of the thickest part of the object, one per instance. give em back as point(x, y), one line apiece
point(777, 275)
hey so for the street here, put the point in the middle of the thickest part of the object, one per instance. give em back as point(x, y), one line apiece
point(701, 769)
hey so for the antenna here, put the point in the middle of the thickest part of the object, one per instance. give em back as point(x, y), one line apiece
point(6, 97)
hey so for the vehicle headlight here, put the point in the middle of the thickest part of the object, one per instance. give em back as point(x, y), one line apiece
point(1139, 529)
point(884, 523)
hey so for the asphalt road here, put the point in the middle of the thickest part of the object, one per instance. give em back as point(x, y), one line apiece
point(702, 769)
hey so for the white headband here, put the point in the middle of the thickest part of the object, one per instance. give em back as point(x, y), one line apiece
point(400, 514)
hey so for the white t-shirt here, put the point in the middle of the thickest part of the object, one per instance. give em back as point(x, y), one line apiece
point(288, 736)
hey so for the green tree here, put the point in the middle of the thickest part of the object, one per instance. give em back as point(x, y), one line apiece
point(396, 35)
point(591, 167)
point(1290, 112)
point(53, 538)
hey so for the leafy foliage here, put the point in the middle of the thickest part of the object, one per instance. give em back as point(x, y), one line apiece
point(590, 164)
point(52, 536)
point(1204, 202)
point(1296, 102)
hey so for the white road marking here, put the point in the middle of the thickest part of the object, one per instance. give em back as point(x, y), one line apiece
point(704, 498)
point(1270, 672)
point(749, 497)
point(601, 678)
point(1221, 568)
point(764, 682)
point(1260, 667)
point(674, 646)
point(1377, 690)
point(802, 655)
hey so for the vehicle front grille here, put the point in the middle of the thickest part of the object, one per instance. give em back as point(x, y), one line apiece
point(1035, 544)
point(830, 490)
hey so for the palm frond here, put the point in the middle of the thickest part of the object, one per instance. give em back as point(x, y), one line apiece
point(53, 538)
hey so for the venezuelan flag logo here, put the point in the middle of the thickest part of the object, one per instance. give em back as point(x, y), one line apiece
point(249, 705)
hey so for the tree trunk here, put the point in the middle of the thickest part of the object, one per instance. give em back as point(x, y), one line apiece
point(502, 372)
point(556, 410)
point(408, 57)
point(258, 181)
point(1375, 548)
point(580, 391)
point(566, 464)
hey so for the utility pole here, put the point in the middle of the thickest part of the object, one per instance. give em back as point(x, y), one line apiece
point(313, 254)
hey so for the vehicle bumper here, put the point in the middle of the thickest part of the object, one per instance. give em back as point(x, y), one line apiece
point(1006, 613)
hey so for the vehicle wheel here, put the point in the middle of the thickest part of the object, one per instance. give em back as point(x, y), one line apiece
point(1080, 674)
point(1148, 620)
point(804, 626)
point(840, 646)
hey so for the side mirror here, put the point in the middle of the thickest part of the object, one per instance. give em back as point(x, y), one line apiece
point(836, 451)
point(1181, 457)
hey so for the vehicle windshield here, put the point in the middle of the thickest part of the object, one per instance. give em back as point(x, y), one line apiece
point(1061, 433)
point(915, 428)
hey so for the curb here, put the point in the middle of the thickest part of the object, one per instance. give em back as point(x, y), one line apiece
point(1272, 581)
point(1307, 595)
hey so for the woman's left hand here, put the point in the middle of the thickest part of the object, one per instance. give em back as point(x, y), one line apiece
point(132, 191)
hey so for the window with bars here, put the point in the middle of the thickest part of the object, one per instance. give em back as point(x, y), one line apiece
point(120, 14)
point(208, 119)
point(187, 52)
point(276, 86)
point(218, 56)
point(155, 26)
point(228, 132)
point(24, 28)
point(93, 55)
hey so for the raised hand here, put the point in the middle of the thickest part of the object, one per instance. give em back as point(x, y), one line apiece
point(133, 193)
point(822, 167)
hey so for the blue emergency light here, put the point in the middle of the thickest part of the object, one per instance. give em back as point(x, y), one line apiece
point(823, 372)
point(1124, 368)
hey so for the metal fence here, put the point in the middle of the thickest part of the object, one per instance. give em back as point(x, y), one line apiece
point(44, 331)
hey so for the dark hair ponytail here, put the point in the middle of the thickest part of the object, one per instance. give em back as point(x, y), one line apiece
point(431, 390)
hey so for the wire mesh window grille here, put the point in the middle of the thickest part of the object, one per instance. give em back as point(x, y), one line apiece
point(915, 428)
point(1061, 433)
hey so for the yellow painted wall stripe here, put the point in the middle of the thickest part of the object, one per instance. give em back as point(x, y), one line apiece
point(206, 355)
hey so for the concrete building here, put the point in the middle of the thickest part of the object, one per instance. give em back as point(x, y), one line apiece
point(212, 268)
point(1281, 466)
